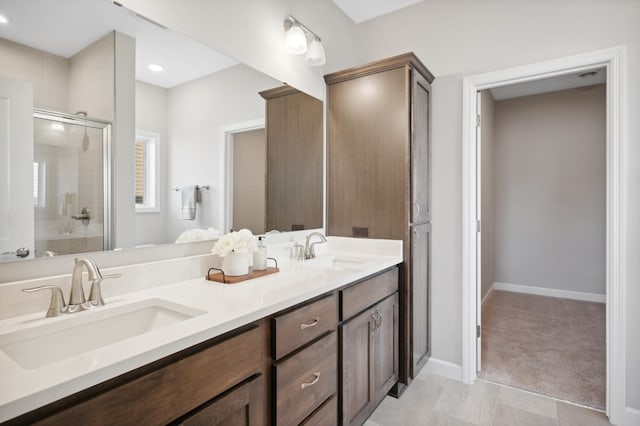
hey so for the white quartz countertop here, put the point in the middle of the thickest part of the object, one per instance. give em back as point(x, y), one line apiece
point(224, 307)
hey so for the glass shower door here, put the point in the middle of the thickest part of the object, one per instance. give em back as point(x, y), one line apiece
point(71, 184)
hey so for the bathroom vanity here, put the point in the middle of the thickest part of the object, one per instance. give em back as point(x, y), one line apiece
point(316, 343)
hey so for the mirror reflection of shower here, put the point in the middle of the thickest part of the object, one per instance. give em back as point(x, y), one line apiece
point(85, 139)
point(71, 183)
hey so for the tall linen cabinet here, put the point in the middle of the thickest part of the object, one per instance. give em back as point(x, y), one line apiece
point(378, 180)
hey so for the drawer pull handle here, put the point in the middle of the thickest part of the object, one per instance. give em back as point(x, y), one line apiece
point(311, 324)
point(316, 377)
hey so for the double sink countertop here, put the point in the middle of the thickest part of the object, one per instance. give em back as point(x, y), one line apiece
point(45, 359)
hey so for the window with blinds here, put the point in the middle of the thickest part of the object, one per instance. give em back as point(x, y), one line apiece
point(140, 172)
point(146, 152)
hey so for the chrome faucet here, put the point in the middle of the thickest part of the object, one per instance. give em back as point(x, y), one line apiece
point(77, 300)
point(309, 252)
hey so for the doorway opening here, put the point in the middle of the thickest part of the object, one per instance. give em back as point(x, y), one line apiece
point(243, 176)
point(542, 203)
point(610, 60)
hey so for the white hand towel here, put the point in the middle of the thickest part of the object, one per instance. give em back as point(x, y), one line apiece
point(189, 198)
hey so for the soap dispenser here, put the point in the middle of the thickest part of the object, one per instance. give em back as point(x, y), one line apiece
point(260, 256)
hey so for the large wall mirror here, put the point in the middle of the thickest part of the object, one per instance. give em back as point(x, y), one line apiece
point(81, 173)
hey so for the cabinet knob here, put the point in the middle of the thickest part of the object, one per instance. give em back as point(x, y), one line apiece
point(316, 377)
point(310, 324)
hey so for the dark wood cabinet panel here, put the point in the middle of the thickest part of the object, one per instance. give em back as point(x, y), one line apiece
point(368, 292)
point(305, 380)
point(420, 297)
point(242, 406)
point(300, 326)
point(366, 162)
point(326, 415)
point(385, 347)
point(294, 181)
point(420, 170)
point(357, 372)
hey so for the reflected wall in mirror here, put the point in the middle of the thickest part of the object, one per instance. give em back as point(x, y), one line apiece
point(74, 63)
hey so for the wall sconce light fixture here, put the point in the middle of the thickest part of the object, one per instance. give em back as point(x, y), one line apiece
point(295, 42)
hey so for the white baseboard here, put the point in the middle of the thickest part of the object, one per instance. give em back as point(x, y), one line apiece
point(443, 368)
point(632, 417)
point(488, 293)
point(551, 292)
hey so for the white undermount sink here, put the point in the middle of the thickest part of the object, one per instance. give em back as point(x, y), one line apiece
point(336, 263)
point(83, 332)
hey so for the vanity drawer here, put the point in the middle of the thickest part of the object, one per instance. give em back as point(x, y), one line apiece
point(293, 329)
point(358, 297)
point(306, 380)
point(326, 415)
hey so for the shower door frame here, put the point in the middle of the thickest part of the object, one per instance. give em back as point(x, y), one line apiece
point(107, 159)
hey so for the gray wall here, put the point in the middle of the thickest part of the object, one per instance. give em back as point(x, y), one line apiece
point(48, 73)
point(550, 186)
point(487, 119)
point(197, 112)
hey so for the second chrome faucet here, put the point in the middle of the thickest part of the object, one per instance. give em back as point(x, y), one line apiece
point(77, 300)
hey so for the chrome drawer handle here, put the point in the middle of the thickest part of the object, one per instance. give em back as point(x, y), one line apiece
point(316, 377)
point(311, 324)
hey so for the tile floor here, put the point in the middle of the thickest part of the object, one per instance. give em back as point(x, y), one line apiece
point(547, 345)
point(435, 400)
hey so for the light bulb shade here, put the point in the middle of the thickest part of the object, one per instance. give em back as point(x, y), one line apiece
point(295, 41)
point(315, 53)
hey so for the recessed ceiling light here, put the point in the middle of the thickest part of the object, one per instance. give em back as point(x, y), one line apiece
point(4, 19)
point(155, 67)
point(56, 125)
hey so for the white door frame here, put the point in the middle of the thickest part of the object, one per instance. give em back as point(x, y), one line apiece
point(226, 171)
point(614, 60)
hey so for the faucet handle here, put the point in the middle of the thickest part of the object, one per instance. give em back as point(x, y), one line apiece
point(57, 306)
point(95, 296)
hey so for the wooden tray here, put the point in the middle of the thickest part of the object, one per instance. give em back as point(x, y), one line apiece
point(226, 279)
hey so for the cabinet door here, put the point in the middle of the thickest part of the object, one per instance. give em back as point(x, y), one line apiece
point(420, 166)
point(294, 163)
point(420, 303)
point(239, 407)
point(367, 153)
point(385, 347)
point(357, 372)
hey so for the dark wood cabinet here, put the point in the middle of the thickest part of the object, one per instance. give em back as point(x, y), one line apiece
point(327, 361)
point(241, 406)
point(369, 359)
point(378, 177)
point(294, 186)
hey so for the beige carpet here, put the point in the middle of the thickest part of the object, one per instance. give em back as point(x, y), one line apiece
point(551, 346)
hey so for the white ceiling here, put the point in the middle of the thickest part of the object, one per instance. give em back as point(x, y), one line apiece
point(65, 27)
point(363, 10)
point(552, 84)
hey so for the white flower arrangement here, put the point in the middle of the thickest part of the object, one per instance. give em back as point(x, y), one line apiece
point(239, 242)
